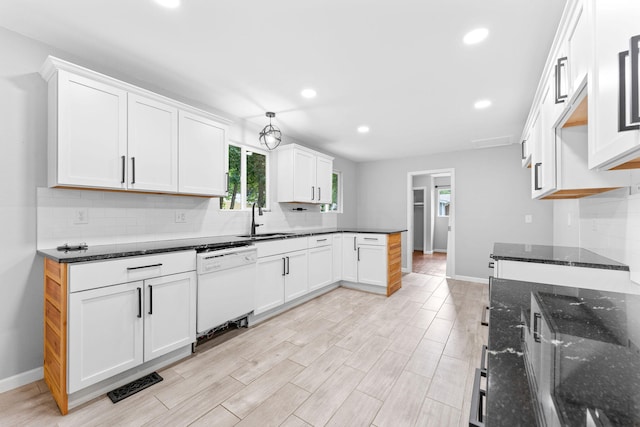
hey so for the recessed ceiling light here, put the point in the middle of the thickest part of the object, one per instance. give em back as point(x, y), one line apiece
point(363, 129)
point(475, 36)
point(308, 93)
point(483, 103)
point(169, 4)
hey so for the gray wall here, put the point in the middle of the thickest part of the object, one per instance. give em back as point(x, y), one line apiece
point(492, 198)
point(349, 215)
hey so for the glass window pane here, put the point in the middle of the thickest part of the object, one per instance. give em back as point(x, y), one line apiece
point(256, 179)
point(233, 198)
point(444, 198)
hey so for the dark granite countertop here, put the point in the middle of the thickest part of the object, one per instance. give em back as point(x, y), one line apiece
point(99, 252)
point(559, 255)
point(586, 363)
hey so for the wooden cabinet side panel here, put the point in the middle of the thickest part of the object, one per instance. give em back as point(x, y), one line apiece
point(394, 263)
point(55, 331)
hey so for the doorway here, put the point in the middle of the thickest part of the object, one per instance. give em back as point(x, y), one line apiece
point(430, 209)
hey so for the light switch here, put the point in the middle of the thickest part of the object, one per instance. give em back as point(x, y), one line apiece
point(81, 216)
point(528, 219)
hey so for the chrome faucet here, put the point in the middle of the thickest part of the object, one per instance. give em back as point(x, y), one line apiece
point(253, 219)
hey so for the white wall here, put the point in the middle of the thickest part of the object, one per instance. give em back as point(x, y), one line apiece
point(492, 198)
point(112, 216)
point(608, 224)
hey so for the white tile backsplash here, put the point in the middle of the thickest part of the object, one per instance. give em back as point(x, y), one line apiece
point(609, 224)
point(120, 217)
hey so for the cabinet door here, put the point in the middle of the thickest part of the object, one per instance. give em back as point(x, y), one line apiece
point(543, 165)
point(349, 257)
point(170, 313)
point(105, 333)
point(91, 133)
point(296, 281)
point(320, 267)
point(337, 257)
point(372, 265)
point(324, 181)
point(201, 152)
point(614, 22)
point(304, 176)
point(270, 272)
point(152, 146)
point(578, 49)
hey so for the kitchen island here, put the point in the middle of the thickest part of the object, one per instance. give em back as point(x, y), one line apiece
point(562, 356)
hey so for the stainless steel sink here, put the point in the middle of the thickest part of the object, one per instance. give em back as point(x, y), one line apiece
point(266, 235)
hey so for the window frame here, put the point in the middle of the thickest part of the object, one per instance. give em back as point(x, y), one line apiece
point(340, 193)
point(243, 176)
point(444, 188)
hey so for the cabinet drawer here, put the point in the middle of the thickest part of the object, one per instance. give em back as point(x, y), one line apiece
point(320, 240)
point(274, 247)
point(91, 275)
point(372, 239)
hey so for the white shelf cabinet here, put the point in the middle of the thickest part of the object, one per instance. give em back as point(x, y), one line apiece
point(614, 136)
point(304, 175)
point(107, 134)
point(202, 154)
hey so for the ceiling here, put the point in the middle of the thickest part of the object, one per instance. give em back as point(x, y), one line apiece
point(397, 66)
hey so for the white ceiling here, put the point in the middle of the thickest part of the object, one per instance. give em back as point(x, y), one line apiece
point(398, 66)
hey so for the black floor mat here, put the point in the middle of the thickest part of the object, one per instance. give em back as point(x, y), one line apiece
point(133, 387)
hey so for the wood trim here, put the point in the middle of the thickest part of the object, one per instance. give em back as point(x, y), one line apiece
point(631, 164)
point(579, 116)
point(394, 263)
point(124, 190)
point(55, 331)
point(577, 193)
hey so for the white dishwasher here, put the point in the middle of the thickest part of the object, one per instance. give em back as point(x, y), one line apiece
point(226, 282)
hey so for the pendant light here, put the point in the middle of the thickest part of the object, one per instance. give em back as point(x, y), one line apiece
point(270, 135)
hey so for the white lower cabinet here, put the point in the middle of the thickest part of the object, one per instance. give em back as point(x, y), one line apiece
point(280, 278)
point(105, 333)
point(296, 282)
point(372, 265)
point(320, 266)
point(337, 257)
point(349, 257)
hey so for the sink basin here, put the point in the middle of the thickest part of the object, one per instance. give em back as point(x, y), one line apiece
point(266, 235)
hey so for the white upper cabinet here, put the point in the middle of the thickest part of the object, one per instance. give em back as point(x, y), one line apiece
point(202, 148)
point(107, 134)
point(152, 145)
point(87, 133)
point(304, 175)
point(614, 132)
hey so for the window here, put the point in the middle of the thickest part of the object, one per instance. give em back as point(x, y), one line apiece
point(336, 194)
point(247, 178)
point(444, 199)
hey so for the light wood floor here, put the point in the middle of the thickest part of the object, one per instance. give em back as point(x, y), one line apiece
point(346, 358)
point(434, 264)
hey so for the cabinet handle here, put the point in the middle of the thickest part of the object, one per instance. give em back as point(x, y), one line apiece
point(491, 264)
point(284, 266)
point(476, 416)
point(321, 240)
point(536, 327)
point(560, 98)
point(226, 190)
point(150, 299)
point(354, 243)
point(133, 170)
point(139, 302)
point(635, 107)
point(319, 194)
point(287, 265)
point(522, 149)
point(144, 266)
point(313, 192)
point(358, 254)
point(536, 172)
point(123, 167)
point(371, 238)
point(622, 94)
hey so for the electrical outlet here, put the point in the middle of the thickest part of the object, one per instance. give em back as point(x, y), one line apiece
point(81, 216)
point(528, 219)
point(181, 216)
point(635, 189)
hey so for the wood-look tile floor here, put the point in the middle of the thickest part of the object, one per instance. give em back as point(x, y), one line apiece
point(346, 358)
point(433, 264)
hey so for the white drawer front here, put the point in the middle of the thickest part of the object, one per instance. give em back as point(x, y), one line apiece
point(320, 240)
point(90, 275)
point(274, 247)
point(372, 239)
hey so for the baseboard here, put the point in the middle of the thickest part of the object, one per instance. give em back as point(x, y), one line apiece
point(405, 270)
point(427, 252)
point(444, 251)
point(484, 280)
point(21, 379)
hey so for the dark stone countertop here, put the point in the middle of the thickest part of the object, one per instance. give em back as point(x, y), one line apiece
point(587, 363)
point(559, 255)
point(101, 252)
